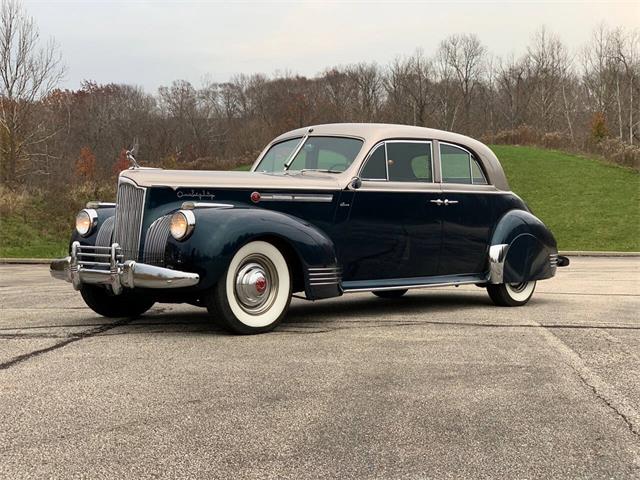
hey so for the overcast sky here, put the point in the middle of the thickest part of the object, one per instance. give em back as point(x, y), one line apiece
point(151, 43)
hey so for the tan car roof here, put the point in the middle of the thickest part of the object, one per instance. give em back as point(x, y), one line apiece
point(373, 133)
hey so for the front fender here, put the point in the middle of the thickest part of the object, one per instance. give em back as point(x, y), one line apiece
point(220, 233)
point(521, 249)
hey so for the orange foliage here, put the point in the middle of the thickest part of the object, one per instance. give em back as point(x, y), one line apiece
point(121, 163)
point(86, 164)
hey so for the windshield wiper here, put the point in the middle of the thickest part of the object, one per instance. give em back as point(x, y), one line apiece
point(321, 170)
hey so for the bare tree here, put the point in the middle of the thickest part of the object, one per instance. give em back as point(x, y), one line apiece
point(463, 55)
point(28, 73)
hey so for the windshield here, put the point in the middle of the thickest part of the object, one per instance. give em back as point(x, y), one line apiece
point(328, 154)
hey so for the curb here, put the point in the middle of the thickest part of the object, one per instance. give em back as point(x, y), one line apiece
point(578, 253)
point(25, 261)
point(568, 253)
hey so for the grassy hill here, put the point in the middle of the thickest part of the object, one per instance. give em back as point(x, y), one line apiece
point(589, 205)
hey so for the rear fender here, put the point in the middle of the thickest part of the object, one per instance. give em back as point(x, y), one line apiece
point(220, 233)
point(522, 248)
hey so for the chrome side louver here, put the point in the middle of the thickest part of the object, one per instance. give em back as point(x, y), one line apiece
point(325, 276)
point(106, 232)
point(128, 226)
point(553, 260)
point(155, 242)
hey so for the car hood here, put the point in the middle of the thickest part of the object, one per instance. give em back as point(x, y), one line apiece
point(155, 177)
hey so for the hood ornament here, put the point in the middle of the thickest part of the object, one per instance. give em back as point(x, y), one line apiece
point(131, 155)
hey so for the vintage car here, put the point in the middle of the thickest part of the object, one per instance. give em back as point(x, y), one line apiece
point(325, 210)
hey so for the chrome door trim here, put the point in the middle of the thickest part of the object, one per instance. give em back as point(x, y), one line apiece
point(386, 158)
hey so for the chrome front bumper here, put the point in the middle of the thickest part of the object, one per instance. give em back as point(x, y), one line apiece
point(104, 266)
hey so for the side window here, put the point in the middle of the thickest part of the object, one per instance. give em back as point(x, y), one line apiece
point(456, 164)
point(376, 167)
point(477, 173)
point(409, 161)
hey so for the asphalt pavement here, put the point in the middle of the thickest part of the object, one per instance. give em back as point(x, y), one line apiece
point(438, 384)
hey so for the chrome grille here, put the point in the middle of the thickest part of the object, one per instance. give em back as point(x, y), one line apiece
point(129, 219)
point(155, 242)
point(106, 232)
point(553, 260)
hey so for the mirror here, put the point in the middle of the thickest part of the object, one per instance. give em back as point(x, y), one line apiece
point(355, 183)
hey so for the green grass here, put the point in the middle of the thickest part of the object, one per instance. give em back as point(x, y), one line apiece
point(243, 168)
point(20, 238)
point(587, 204)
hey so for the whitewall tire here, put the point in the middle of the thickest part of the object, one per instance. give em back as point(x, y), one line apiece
point(511, 294)
point(254, 294)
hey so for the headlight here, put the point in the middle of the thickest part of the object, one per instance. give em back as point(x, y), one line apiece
point(182, 224)
point(86, 221)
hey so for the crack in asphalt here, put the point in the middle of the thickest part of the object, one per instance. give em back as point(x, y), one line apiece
point(601, 389)
point(75, 337)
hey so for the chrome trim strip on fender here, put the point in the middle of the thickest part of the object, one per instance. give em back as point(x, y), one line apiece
point(95, 204)
point(196, 205)
point(497, 255)
point(296, 197)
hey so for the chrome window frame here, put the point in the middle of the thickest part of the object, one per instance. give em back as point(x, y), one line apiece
point(386, 163)
point(471, 157)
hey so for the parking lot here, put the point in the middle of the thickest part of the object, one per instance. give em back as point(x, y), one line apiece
point(438, 384)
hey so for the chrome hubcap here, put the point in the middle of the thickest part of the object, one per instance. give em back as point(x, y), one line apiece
point(256, 284)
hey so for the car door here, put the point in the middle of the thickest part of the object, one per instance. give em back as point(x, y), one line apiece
point(468, 213)
point(394, 229)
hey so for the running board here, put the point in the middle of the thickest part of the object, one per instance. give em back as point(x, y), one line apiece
point(409, 283)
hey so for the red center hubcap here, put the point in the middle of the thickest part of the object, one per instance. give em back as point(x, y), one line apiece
point(261, 285)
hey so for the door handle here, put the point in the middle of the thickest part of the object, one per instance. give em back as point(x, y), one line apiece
point(449, 202)
point(437, 202)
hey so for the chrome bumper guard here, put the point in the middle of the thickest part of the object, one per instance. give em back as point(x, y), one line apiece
point(105, 266)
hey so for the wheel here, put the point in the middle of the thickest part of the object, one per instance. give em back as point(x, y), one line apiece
point(126, 305)
point(253, 295)
point(511, 294)
point(390, 293)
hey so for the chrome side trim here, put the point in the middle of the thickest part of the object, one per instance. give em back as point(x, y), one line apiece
point(411, 286)
point(497, 255)
point(296, 197)
point(96, 204)
point(196, 205)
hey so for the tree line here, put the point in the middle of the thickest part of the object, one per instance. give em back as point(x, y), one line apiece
point(584, 99)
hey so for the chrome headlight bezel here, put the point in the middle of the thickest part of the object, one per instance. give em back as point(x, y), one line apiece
point(90, 217)
point(182, 224)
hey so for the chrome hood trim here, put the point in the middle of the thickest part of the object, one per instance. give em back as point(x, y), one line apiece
point(223, 179)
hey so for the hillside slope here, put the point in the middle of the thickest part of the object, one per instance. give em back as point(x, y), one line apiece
point(587, 204)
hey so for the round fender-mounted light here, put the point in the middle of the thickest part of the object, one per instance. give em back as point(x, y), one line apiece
point(182, 224)
point(86, 221)
point(255, 197)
